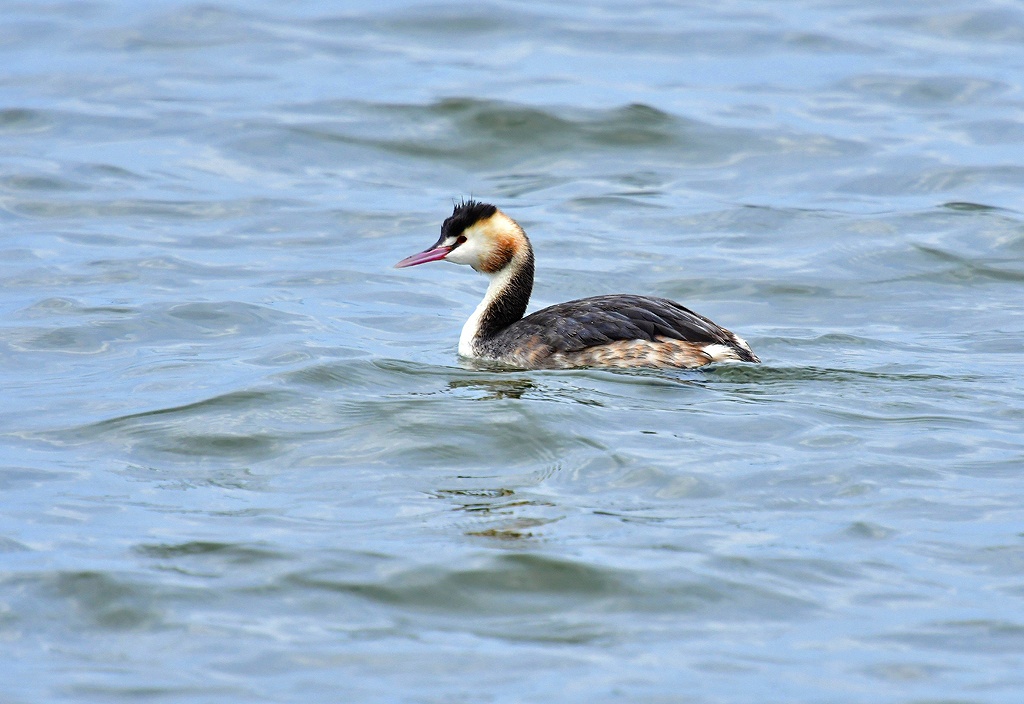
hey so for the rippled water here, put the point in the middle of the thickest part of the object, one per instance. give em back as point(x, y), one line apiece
point(242, 461)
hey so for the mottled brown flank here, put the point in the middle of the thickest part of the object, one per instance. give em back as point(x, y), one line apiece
point(502, 251)
point(661, 353)
point(531, 354)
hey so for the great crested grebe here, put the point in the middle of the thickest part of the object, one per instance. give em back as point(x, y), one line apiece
point(619, 330)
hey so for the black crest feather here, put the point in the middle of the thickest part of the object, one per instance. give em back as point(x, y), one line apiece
point(465, 214)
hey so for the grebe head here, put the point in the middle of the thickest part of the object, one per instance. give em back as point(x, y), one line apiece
point(477, 234)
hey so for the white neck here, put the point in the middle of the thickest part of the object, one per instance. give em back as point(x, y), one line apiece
point(498, 283)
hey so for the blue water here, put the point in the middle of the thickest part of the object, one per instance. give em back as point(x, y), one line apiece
point(241, 461)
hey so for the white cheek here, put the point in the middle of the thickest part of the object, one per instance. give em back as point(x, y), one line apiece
point(465, 254)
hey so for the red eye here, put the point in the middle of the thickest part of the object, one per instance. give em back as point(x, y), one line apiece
point(461, 239)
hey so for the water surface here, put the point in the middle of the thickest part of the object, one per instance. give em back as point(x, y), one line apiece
point(243, 462)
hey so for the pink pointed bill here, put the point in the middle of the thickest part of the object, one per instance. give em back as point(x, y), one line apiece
point(431, 255)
